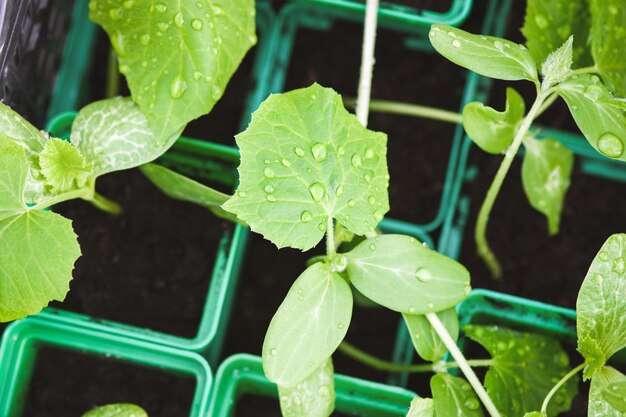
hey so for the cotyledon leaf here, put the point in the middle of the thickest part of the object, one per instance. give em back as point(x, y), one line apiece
point(615, 394)
point(525, 368)
point(313, 397)
point(117, 410)
point(425, 339)
point(113, 135)
point(177, 55)
point(608, 42)
point(486, 55)
point(601, 381)
point(603, 124)
point(400, 273)
point(454, 397)
point(308, 326)
point(305, 160)
point(600, 308)
point(421, 407)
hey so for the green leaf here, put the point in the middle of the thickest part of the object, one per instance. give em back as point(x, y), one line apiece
point(615, 394)
point(525, 368)
point(117, 410)
point(308, 326)
point(400, 273)
point(603, 124)
point(486, 55)
point(305, 160)
point(558, 65)
point(113, 135)
point(177, 55)
point(13, 178)
point(548, 24)
point(608, 40)
point(427, 342)
point(536, 414)
point(64, 167)
point(546, 172)
point(601, 381)
point(182, 188)
point(313, 397)
point(600, 308)
point(422, 407)
point(454, 397)
point(491, 130)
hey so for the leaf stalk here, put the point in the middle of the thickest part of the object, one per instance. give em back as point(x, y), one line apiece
point(106, 205)
point(558, 385)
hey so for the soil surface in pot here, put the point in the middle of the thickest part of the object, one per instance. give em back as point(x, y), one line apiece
point(418, 149)
point(149, 267)
point(256, 406)
point(67, 383)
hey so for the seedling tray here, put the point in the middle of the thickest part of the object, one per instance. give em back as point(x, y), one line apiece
point(24, 339)
point(242, 374)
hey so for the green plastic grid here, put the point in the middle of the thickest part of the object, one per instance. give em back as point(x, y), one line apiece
point(391, 14)
point(243, 374)
point(217, 164)
point(23, 339)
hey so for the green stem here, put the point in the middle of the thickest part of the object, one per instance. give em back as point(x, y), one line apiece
point(546, 401)
point(330, 237)
point(585, 70)
point(480, 233)
point(81, 193)
point(387, 366)
point(104, 204)
point(113, 75)
point(406, 109)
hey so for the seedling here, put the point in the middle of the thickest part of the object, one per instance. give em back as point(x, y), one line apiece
point(117, 410)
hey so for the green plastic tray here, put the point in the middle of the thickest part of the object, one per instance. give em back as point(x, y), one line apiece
point(24, 338)
point(214, 163)
point(242, 374)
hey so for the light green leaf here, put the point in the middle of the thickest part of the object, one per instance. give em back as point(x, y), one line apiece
point(422, 407)
point(615, 394)
point(177, 55)
point(486, 55)
point(64, 167)
point(13, 171)
point(313, 397)
point(491, 130)
point(608, 42)
point(454, 397)
point(113, 135)
point(558, 65)
point(598, 404)
point(546, 172)
point(525, 368)
point(308, 326)
point(427, 342)
point(600, 308)
point(400, 273)
point(182, 188)
point(305, 160)
point(548, 24)
point(117, 410)
point(604, 125)
point(536, 414)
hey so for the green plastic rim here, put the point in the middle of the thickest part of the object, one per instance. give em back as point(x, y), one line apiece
point(242, 374)
point(397, 15)
point(24, 338)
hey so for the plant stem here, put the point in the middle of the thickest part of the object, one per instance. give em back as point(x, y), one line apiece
point(480, 233)
point(462, 362)
point(113, 75)
point(330, 237)
point(81, 193)
point(367, 61)
point(585, 70)
point(546, 401)
point(407, 109)
point(383, 365)
point(104, 204)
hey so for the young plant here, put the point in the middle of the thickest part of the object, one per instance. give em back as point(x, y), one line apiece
point(117, 410)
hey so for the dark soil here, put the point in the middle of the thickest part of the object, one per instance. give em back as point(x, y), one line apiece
point(66, 383)
point(257, 406)
point(149, 267)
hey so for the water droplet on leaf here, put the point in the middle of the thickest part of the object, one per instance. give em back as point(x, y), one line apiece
point(178, 87)
point(423, 274)
point(197, 24)
point(610, 145)
point(317, 191)
point(306, 216)
point(319, 152)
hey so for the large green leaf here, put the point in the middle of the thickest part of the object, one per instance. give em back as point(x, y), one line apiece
point(548, 24)
point(305, 160)
point(313, 397)
point(546, 172)
point(182, 188)
point(600, 308)
point(113, 135)
point(117, 410)
point(421, 407)
point(486, 55)
point(427, 342)
point(400, 273)
point(608, 42)
point(308, 326)
point(615, 394)
point(454, 397)
point(603, 124)
point(177, 55)
point(601, 381)
point(525, 368)
point(491, 130)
